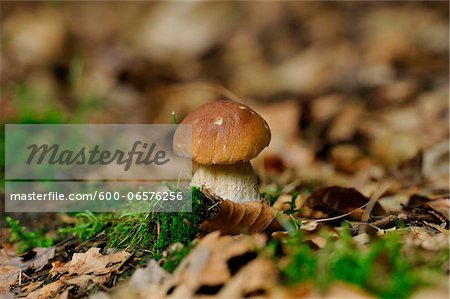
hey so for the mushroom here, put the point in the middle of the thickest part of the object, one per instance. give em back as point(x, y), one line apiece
point(226, 135)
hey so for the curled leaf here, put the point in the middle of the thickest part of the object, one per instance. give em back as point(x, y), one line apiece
point(248, 217)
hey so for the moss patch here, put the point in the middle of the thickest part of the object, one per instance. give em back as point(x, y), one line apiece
point(144, 233)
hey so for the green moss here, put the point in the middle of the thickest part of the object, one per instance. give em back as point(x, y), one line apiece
point(303, 265)
point(144, 233)
point(381, 268)
point(172, 261)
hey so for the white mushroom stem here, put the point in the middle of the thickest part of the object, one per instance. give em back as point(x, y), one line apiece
point(236, 182)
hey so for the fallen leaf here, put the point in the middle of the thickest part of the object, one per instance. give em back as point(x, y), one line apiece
point(249, 217)
point(437, 209)
point(335, 201)
point(84, 271)
point(420, 236)
point(257, 278)
point(35, 259)
point(31, 287)
point(8, 276)
point(143, 282)
point(212, 264)
point(48, 291)
point(142, 277)
point(11, 264)
point(90, 262)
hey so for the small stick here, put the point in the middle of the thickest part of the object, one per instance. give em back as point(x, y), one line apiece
point(373, 200)
point(341, 216)
point(380, 223)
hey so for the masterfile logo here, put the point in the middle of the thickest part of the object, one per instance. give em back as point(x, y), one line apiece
point(82, 152)
point(100, 168)
point(148, 154)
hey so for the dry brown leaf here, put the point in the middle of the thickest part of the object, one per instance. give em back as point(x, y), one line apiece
point(31, 287)
point(420, 236)
point(249, 217)
point(258, 278)
point(435, 210)
point(35, 259)
point(90, 262)
point(335, 201)
point(8, 276)
point(211, 265)
point(84, 271)
point(11, 264)
point(50, 290)
point(144, 281)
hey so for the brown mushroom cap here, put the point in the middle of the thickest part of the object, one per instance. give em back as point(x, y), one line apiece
point(223, 132)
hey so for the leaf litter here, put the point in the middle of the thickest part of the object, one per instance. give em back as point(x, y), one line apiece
point(83, 272)
point(356, 101)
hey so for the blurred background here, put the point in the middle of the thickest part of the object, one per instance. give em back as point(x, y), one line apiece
point(354, 92)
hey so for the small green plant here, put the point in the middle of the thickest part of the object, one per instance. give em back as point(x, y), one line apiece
point(88, 225)
point(25, 240)
point(272, 193)
point(381, 267)
point(292, 205)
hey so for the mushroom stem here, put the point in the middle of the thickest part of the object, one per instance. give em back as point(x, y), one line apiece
point(236, 182)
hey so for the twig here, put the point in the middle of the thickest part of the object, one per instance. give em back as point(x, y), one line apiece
point(214, 205)
point(373, 200)
point(379, 224)
point(383, 222)
point(343, 215)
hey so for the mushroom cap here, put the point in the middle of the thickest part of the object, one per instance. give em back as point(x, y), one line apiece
point(223, 132)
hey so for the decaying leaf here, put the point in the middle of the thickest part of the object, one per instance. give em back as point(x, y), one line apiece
point(143, 282)
point(335, 201)
point(90, 262)
point(11, 264)
point(31, 287)
point(432, 210)
point(249, 217)
point(84, 271)
point(258, 278)
point(153, 273)
point(8, 275)
point(212, 264)
point(420, 236)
